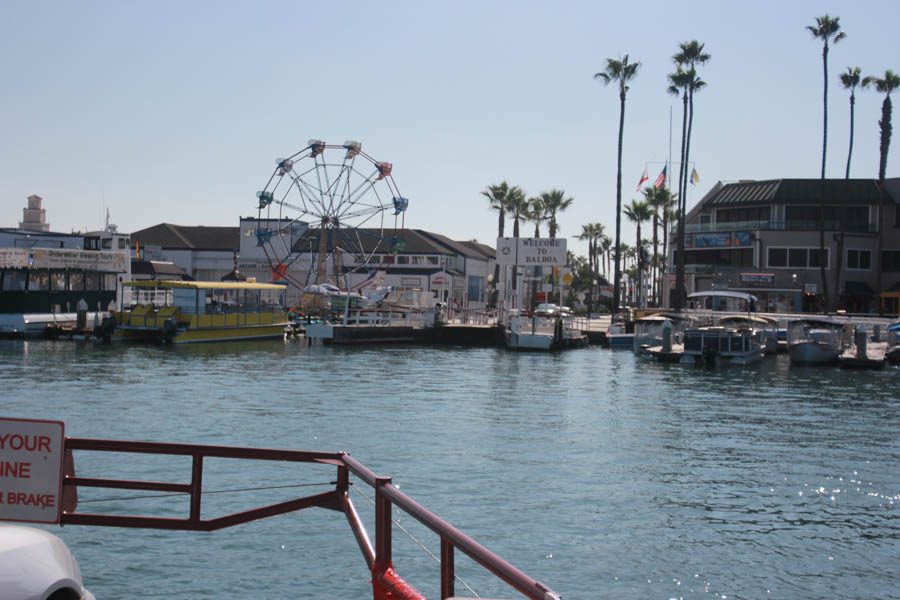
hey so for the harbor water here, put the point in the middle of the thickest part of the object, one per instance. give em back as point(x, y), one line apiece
point(600, 474)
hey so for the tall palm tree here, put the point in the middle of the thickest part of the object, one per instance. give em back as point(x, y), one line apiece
point(605, 244)
point(536, 214)
point(850, 80)
point(659, 200)
point(886, 85)
point(517, 207)
point(497, 196)
point(690, 55)
point(555, 201)
point(639, 212)
point(620, 72)
point(827, 29)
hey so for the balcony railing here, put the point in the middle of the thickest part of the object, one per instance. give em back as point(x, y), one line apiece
point(830, 225)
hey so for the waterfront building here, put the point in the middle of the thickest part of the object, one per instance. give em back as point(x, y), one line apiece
point(451, 270)
point(762, 237)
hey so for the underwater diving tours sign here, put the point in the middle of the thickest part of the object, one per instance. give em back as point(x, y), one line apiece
point(531, 252)
point(31, 470)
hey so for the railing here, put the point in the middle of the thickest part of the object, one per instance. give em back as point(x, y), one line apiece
point(386, 583)
point(830, 225)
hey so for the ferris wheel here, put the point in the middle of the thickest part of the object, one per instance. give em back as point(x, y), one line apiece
point(327, 212)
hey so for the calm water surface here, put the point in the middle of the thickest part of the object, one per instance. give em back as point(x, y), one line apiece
point(593, 471)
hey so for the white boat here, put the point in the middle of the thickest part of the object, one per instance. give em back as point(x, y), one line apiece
point(544, 333)
point(767, 327)
point(815, 340)
point(648, 331)
point(722, 345)
point(893, 343)
point(617, 336)
point(37, 565)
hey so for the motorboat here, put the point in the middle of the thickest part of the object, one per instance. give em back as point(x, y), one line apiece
point(648, 330)
point(545, 333)
point(893, 343)
point(202, 311)
point(37, 565)
point(618, 336)
point(815, 340)
point(721, 345)
point(767, 326)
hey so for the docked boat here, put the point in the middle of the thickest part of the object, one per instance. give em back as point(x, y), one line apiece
point(202, 311)
point(543, 333)
point(766, 326)
point(720, 345)
point(815, 340)
point(51, 289)
point(892, 353)
point(648, 331)
point(863, 353)
point(37, 564)
point(618, 335)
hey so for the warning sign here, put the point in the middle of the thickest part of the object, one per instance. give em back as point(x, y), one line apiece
point(31, 470)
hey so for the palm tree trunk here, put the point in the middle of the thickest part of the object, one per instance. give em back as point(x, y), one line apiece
point(850, 152)
point(618, 273)
point(822, 274)
point(655, 271)
point(886, 130)
point(678, 301)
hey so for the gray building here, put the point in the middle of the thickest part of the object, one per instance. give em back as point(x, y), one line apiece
point(763, 237)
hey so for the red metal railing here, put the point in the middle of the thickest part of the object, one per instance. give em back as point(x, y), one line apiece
point(386, 583)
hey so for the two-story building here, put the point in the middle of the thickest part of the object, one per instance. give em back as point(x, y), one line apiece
point(763, 237)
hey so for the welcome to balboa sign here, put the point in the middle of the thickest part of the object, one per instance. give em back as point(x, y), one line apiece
point(531, 252)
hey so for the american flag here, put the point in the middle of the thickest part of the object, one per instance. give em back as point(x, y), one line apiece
point(661, 180)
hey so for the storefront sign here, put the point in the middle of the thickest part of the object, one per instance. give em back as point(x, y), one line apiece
point(713, 240)
point(758, 278)
point(741, 238)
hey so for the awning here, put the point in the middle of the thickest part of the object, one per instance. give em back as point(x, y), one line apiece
point(858, 288)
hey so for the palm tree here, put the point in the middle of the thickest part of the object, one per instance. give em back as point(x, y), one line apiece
point(621, 72)
point(886, 85)
point(850, 80)
point(826, 29)
point(657, 199)
point(639, 212)
point(605, 244)
point(536, 214)
point(497, 196)
point(517, 207)
point(555, 201)
point(689, 56)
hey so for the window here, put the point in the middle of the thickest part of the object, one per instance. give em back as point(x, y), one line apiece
point(38, 280)
point(58, 281)
point(859, 259)
point(737, 215)
point(123, 243)
point(795, 258)
point(91, 243)
point(418, 260)
point(109, 282)
point(890, 261)
point(778, 257)
point(432, 260)
point(92, 281)
point(107, 243)
point(14, 281)
point(402, 260)
point(76, 281)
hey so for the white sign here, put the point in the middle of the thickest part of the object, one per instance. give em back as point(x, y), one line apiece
point(809, 288)
point(531, 252)
point(546, 287)
point(31, 470)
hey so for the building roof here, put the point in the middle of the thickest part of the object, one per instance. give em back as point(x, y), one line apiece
point(181, 237)
point(157, 269)
point(377, 240)
point(796, 191)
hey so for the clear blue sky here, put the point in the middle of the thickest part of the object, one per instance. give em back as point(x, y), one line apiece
point(175, 111)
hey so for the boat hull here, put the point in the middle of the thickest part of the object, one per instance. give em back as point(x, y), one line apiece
point(813, 353)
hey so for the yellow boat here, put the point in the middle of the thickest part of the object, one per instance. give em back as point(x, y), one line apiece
point(201, 311)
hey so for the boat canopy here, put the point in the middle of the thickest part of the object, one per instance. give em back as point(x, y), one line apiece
point(205, 285)
point(664, 317)
point(723, 294)
point(749, 319)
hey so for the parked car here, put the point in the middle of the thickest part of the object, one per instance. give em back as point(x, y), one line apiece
point(37, 565)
